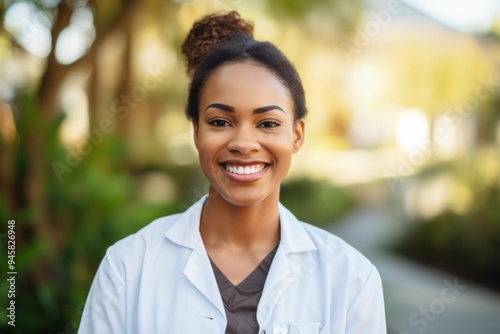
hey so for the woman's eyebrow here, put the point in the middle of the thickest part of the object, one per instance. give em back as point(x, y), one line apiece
point(260, 110)
point(266, 109)
point(220, 106)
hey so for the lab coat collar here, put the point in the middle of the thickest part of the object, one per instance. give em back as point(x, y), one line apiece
point(186, 230)
point(294, 237)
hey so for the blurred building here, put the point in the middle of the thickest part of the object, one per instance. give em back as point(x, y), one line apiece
point(417, 93)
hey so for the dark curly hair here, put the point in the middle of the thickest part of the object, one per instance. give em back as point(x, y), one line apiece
point(222, 38)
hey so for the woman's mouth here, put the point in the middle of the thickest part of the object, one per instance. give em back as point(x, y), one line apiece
point(244, 170)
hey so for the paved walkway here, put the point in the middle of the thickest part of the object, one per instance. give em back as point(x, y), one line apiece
point(418, 299)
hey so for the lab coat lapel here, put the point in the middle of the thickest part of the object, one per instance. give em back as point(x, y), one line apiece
point(284, 274)
point(186, 232)
point(200, 273)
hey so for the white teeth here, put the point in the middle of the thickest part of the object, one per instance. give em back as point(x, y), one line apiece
point(247, 170)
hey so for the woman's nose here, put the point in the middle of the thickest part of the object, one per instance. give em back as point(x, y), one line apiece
point(244, 140)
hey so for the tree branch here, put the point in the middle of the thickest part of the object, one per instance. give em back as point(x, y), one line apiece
point(56, 72)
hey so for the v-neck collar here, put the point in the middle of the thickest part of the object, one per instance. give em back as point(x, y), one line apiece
point(248, 283)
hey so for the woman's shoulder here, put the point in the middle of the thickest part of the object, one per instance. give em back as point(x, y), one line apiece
point(334, 250)
point(330, 249)
point(149, 236)
point(160, 235)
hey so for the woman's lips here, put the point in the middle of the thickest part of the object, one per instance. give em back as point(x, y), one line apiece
point(244, 173)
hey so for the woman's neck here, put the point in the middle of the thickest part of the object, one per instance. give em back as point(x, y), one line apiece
point(251, 227)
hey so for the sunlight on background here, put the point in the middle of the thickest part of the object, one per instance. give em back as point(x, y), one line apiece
point(30, 26)
point(466, 15)
point(367, 85)
point(412, 130)
point(75, 127)
point(453, 141)
point(157, 188)
point(430, 198)
point(76, 39)
point(175, 134)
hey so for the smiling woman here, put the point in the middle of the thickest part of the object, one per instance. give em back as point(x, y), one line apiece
point(237, 261)
point(247, 121)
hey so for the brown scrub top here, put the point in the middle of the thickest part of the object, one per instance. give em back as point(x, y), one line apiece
point(240, 301)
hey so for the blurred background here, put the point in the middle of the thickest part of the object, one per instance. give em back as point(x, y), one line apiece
point(402, 152)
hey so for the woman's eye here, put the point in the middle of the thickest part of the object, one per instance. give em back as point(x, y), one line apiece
point(269, 124)
point(218, 123)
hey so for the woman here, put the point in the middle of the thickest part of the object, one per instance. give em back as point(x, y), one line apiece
point(237, 261)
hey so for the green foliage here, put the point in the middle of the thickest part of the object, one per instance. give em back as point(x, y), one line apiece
point(338, 16)
point(90, 208)
point(294, 8)
point(315, 201)
point(466, 244)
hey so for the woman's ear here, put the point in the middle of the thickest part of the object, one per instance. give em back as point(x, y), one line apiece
point(298, 135)
point(195, 133)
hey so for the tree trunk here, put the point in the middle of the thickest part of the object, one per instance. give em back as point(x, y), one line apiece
point(54, 72)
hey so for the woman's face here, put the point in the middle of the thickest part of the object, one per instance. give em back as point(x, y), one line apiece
point(246, 134)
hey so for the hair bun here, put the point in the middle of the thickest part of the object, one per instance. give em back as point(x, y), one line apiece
point(211, 30)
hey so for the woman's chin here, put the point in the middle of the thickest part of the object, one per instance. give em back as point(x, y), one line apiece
point(242, 197)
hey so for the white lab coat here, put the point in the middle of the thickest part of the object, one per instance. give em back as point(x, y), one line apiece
point(160, 280)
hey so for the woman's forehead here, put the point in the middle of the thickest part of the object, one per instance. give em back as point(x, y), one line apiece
point(246, 83)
